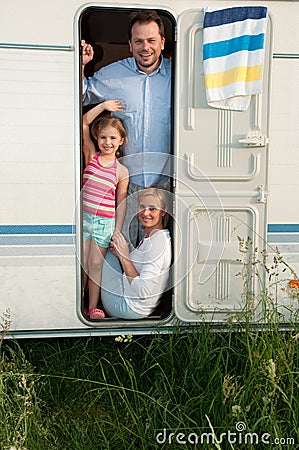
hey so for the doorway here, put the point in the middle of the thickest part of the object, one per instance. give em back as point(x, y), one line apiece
point(106, 29)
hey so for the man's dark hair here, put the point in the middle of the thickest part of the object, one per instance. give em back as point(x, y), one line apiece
point(145, 16)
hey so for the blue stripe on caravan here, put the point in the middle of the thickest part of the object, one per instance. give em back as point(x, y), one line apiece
point(229, 46)
point(283, 232)
point(236, 14)
point(283, 237)
point(283, 228)
point(37, 229)
point(37, 235)
point(25, 239)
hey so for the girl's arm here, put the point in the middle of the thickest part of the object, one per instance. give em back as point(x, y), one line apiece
point(121, 194)
point(89, 149)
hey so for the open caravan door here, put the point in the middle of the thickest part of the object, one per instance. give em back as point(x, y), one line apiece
point(221, 188)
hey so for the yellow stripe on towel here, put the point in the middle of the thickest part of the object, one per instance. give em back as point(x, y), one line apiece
point(235, 75)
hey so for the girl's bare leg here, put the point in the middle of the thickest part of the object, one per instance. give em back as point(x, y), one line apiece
point(95, 264)
point(86, 250)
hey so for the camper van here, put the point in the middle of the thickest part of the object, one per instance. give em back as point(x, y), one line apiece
point(234, 191)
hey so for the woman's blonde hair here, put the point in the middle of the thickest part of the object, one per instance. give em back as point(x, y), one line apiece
point(163, 196)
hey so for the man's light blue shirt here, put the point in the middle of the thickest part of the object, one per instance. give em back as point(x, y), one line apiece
point(146, 115)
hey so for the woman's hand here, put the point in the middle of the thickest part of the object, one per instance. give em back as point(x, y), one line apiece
point(119, 246)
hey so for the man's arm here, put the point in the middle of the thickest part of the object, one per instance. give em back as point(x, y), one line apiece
point(87, 55)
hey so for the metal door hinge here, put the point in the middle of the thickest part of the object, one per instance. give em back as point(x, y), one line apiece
point(174, 180)
point(262, 195)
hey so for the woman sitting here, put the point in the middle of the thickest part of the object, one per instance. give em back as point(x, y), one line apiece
point(132, 283)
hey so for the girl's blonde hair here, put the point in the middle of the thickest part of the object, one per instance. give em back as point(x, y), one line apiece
point(102, 122)
point(163, 197)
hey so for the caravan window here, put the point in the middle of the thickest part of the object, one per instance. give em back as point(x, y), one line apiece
point(106, 30)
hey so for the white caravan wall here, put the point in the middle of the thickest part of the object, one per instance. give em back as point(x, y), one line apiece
point(37, 129)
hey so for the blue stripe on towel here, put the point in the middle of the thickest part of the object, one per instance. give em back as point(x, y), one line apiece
point(225, 48)
point(236, 14)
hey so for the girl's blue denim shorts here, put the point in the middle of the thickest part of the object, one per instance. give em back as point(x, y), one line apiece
point(99, 229)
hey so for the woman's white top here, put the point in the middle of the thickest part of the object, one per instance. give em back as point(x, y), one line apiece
point(152, 259)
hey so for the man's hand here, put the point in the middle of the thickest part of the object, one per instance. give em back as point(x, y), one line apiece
point(87, 52)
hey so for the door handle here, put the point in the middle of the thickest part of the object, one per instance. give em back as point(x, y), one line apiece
point(254, 141)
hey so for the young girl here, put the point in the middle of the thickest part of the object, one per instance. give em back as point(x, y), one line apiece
point(105, 183)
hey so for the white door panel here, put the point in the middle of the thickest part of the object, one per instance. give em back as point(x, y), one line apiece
point(226, 145)
point(221, 185)
point(214, 278)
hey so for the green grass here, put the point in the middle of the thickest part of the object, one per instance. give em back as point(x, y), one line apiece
point(164, 391)
point(96, 393)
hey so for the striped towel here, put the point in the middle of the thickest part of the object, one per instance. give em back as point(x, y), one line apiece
point(233, 55)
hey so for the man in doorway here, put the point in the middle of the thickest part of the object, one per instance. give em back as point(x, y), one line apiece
point(143, 84)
